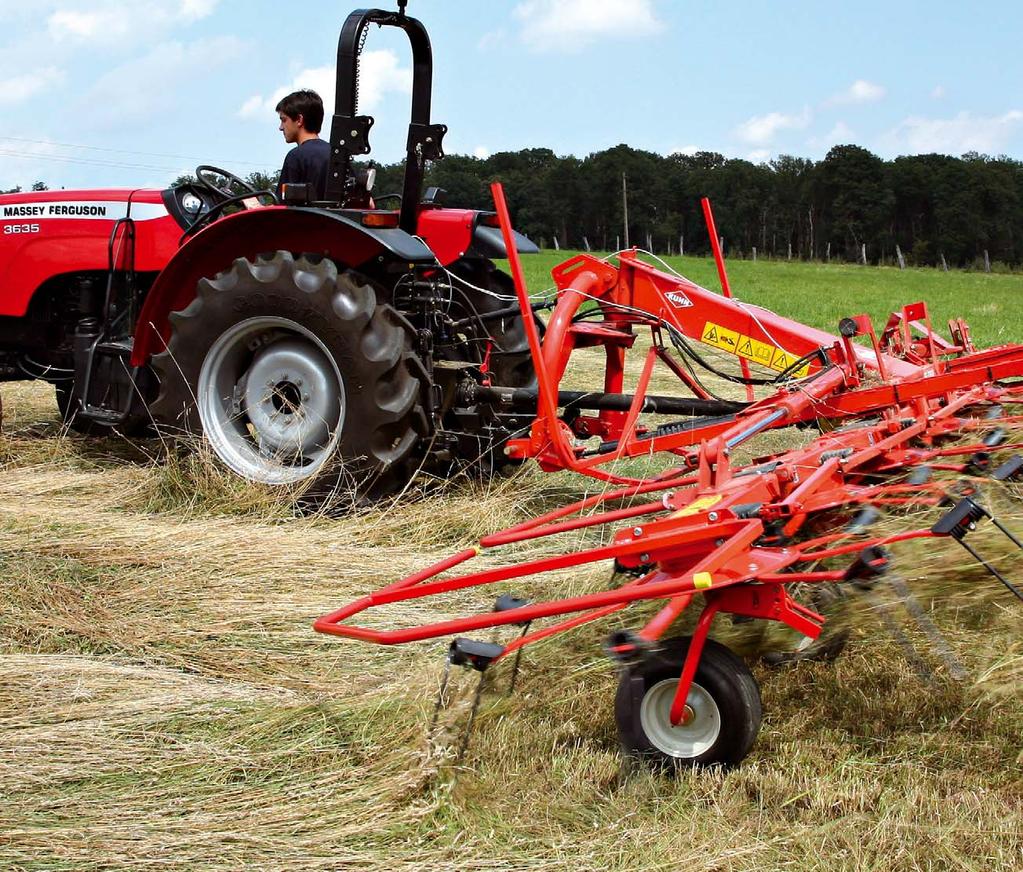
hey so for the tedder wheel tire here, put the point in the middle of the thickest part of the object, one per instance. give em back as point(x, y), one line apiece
point(296, 375)
point(724, 698)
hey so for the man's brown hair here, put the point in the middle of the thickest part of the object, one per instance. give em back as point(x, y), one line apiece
point(307, 104)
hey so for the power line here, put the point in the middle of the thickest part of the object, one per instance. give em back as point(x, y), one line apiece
point(82, 161)
point(124, 151)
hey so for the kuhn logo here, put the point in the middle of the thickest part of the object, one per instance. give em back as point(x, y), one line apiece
point(678, 299)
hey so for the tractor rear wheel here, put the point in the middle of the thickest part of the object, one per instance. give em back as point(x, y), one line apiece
point(724, 709)
point(296, 375)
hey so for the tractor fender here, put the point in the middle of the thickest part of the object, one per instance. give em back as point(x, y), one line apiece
point(255, 231)
point(488, 242)
point(456, 233)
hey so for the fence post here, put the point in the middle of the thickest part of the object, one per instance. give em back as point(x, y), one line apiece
point(586, 243)
point(827, 255)
point(944, 263)
point(987, 262)
point(790, 251)
point(625, 210)
point(681, 244)
point(863, 254)
point(898, 254)
point(754, 254)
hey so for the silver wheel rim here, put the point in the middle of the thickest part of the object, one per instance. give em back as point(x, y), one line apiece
point(690, 739)
point(271, 400)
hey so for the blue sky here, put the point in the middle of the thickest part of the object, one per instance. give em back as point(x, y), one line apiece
point(110, 92)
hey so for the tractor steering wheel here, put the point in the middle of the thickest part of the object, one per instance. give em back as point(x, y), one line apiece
point(205, 174)
point(224, 197)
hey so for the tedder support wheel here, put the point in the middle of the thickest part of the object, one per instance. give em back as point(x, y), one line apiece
point(295, 374)
point(724, 701)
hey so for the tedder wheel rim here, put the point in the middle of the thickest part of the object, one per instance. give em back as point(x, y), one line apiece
point(271, 400)
point(695, 735)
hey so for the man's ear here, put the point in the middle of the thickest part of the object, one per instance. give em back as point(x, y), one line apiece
point(300, 121)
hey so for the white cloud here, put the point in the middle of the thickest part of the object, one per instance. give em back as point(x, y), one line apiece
point(379, 74)
point(965, 132)
point(761, 129)
point(759, 155)
point(490, 40)
point(840, 133)
point(253, 108)
point(570, 25)
point(69, 23)
point(687, 150)
point(194, 10)
point(938, 92)
point(164, 75)
point(21, 87)
point(860, 91)
point(481, 151)
point(111, 21)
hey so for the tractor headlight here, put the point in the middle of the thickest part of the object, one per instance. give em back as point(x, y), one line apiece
point(191, 204)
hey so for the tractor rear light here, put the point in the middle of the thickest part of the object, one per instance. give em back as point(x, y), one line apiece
point(296, 194)
point(380, 219)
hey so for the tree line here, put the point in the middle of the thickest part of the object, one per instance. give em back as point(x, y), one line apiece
point(932, 206)
point(933, 209)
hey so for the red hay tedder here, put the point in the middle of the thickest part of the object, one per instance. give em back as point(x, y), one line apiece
point(889, 413)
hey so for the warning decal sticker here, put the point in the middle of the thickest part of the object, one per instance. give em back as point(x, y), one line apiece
point(700, 504)
point(751, 349)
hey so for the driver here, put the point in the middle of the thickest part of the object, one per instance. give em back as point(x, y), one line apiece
point(301, 115)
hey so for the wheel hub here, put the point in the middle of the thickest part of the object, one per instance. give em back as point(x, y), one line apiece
point(291, 397)
point(695, 734)
point(271, 400)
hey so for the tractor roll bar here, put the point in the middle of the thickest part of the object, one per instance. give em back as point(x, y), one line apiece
point(349, 132)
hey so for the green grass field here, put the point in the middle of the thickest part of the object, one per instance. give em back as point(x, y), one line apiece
point(165, 703)
point(820, 295)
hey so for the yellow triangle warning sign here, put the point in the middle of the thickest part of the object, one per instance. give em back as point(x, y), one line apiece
point(781, 361)
point(746, 348)
point(710, 334)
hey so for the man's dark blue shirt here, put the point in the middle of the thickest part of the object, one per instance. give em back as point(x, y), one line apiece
point(307, 163)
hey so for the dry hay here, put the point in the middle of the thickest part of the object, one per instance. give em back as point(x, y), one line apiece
point(164, 702)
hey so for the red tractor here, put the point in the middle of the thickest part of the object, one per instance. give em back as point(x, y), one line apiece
point(328, 342)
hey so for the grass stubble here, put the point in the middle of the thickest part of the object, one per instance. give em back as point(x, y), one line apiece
point(164, 701)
